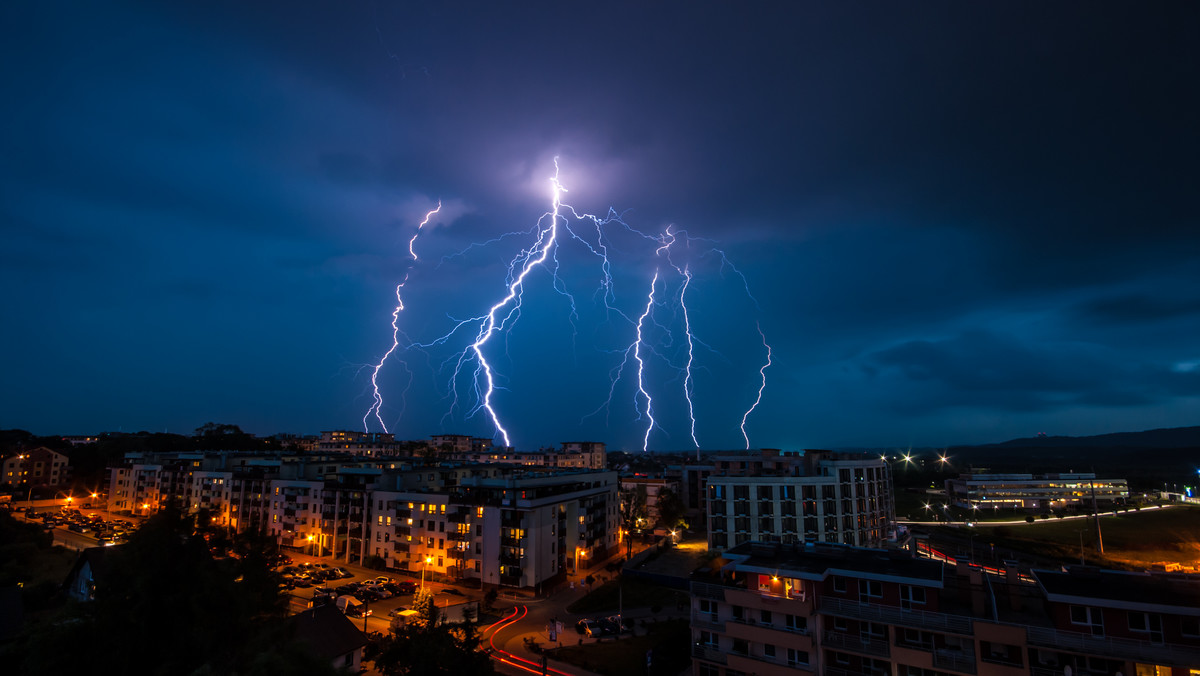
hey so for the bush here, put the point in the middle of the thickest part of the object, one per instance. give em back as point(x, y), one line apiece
point(1029, 519)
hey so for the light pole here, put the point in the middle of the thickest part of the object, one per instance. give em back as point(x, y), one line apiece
point(428, 560)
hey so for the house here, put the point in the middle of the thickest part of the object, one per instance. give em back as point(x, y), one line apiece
point(328, 634)
point(91, 565)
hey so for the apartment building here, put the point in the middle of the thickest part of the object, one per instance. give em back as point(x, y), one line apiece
point(39, 467)
point(813, 496)
point(506, 525)
point(1029, 491)
point(820, 608)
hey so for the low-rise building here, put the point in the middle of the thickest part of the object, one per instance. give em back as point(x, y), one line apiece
point(1033, 491)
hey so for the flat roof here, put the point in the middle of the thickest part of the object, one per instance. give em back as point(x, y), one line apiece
point(1154, 592)
point(819, 560)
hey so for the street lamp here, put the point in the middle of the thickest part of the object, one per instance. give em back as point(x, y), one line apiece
point(428, 560)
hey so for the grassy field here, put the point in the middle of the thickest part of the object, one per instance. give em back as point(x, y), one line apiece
point(670, 641)
point(1133, 538)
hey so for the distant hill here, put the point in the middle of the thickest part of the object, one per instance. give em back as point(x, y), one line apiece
point(1172, 437)
point(1147, 458)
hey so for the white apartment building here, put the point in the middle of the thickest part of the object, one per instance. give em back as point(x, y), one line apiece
point(818, 496)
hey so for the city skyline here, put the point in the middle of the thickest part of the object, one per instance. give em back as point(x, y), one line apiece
point(958, 224)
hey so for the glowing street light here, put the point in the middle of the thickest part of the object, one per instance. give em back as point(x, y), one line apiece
point(428, 560)
point(944, 459)
point(908, 459)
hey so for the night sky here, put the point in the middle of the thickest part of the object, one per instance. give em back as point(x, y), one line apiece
point(960, 222)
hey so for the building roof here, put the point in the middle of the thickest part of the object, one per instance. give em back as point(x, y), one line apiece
point(326, 633)
point(1155, 592)
point(97, 558)
point(816, 561)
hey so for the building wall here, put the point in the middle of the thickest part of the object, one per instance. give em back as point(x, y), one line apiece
point(848, 502)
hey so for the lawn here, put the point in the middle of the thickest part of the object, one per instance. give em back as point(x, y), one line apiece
point(670, 642)
point(1135, 538)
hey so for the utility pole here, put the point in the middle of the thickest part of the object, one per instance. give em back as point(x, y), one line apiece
point(1096, 516)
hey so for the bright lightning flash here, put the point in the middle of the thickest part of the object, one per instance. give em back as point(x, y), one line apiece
point(377, 405)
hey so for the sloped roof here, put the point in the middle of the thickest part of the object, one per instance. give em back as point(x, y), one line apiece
point(326, 633)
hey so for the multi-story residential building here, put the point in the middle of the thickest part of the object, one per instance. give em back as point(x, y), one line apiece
point(40, 467)
point(837, 610)
point(571, 454)
point(500, 524)
point(814, 496)
point(1029, 491)
point(370, 444)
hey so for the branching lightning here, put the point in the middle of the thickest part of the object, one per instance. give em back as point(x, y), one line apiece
point(377, 405)
point(762, 372)
point(656, 346)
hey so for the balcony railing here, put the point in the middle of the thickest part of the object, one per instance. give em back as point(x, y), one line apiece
point(954, 661)
point(706, 621)
point(707, 653)
point(704, 590)
point(858, 644)
point(954, 624)
point(1142, 651)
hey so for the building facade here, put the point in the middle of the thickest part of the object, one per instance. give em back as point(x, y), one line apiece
point(504, 525)
point(1029, 491)
point(781, 610)
point(36, 468)
point(818, 496)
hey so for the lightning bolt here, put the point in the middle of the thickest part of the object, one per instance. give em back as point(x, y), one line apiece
point(762, 372)
point(475, 362)
point(377, 404)
point(637, 355)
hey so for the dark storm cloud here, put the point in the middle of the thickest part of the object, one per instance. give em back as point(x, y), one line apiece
point(936, 206)
point(983, 369)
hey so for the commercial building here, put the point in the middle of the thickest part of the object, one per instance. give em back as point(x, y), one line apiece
point(779, 610)
point(799, 497)
point(1029, 491)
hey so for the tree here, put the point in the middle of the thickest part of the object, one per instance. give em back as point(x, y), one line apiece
point(632, 510)
point(425, 648)
point(671, 510)
point(166, 605)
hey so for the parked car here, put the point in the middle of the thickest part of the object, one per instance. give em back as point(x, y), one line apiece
point(382, 579)
point(347, 589)
point(367, 594)
point(587, 627)
point(406, 587)
point(380, 590)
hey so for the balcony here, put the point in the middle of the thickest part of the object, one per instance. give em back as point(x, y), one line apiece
point(457, 517)
point(510, 560)
point(713, 592)
point(858, 644)
point(708, 653)
point(707, 621)
point(457, 537)
point(510, 542)
point(1129, 649)
point(919, 619)
point(954, 661)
